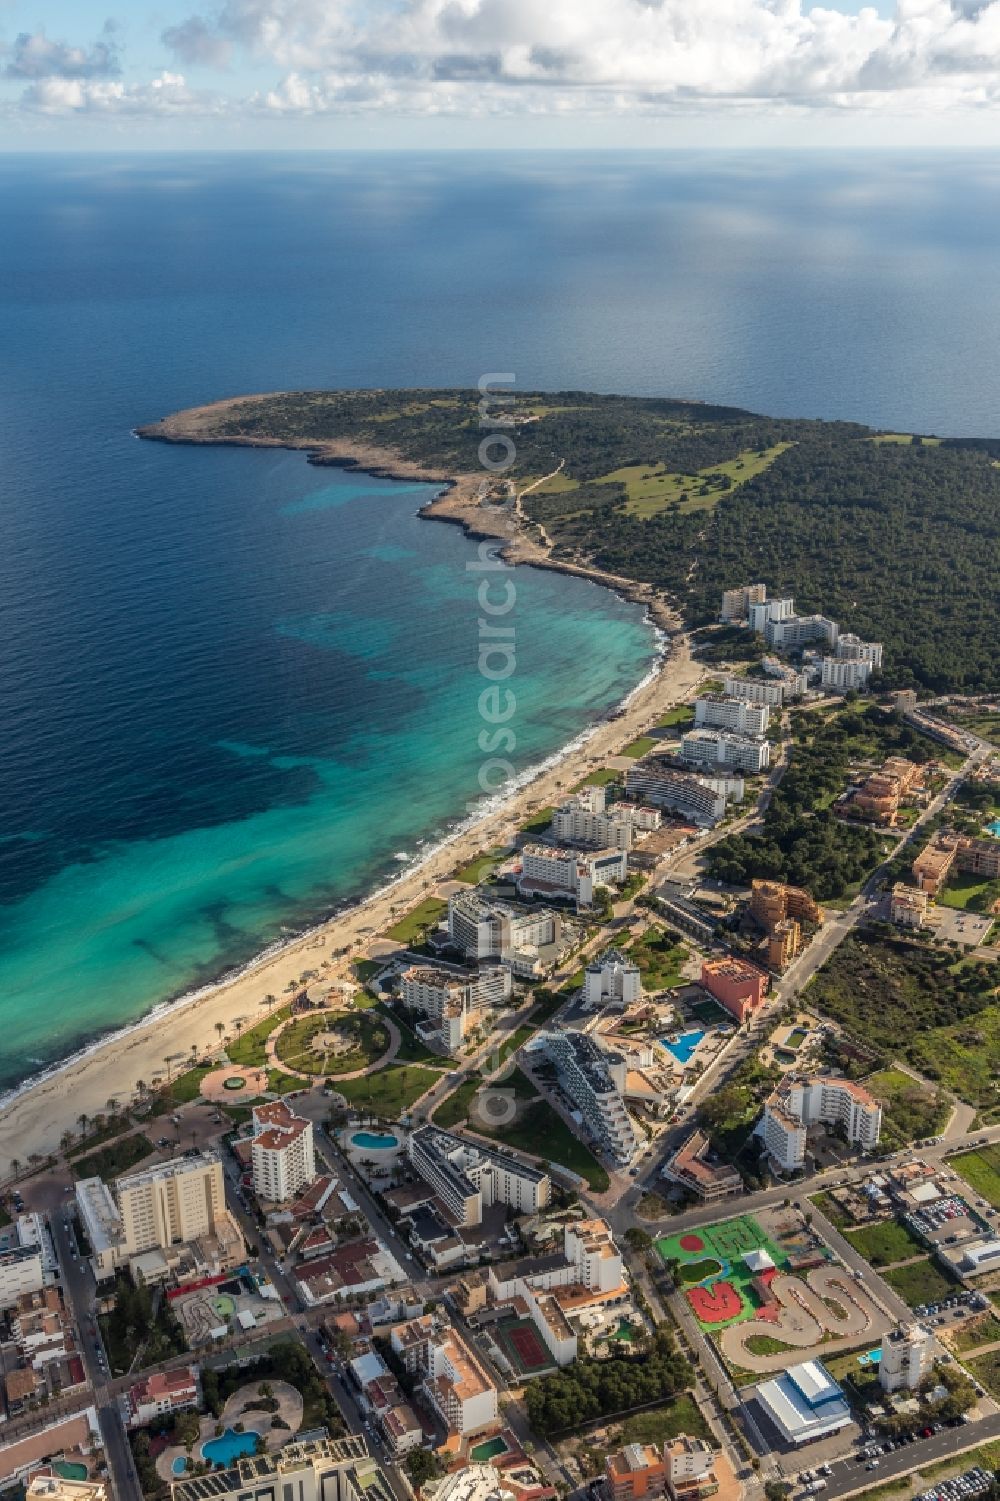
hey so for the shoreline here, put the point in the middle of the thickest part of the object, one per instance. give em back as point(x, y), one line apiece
point(37, 1112)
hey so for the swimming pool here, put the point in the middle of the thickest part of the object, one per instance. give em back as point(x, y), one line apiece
point(489, 1450)
point(994, 827)
point(179, 1465)
point(370, 1141)
point(684, 1047)
point(69, 1469)
point(228, 1446)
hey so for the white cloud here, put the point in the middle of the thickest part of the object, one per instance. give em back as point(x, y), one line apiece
point(166, 95)
point(33, 55)
point(571, 57)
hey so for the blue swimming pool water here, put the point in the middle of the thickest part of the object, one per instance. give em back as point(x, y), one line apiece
point(229, 1446)
point(179, 1465)
point(684, 1047)
point(994, 827)
point(369, 1141)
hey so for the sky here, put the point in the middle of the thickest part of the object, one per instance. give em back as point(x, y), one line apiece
point(397, 74)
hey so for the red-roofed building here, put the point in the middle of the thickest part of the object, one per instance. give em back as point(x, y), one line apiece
point(284, 1159)
point(162, 1393)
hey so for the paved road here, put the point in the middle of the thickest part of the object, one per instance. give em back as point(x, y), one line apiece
point(849, 1475)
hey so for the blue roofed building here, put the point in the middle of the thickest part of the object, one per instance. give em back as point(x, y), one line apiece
point(804, 1403)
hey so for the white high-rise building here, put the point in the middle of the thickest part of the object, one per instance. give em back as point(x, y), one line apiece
point(756, 691)
point(586, 819)
point(450, 999)
point(611, 980)
point(284, 1158)
point(764, 613)
point(799, 1103)
point(790, 631)
point(844, 673)
point(853, 648)
point(545, 867)
point(906, 1358)
point(679, 791)
point(738, 715)
point(586, 1074)
point(720, 748)
point(470, 1176)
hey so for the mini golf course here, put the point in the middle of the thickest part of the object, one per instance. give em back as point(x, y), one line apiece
point(710, 1263)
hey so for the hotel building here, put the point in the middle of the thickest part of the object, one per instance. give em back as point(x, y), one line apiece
point(851, 648)
point(586, 819)
point(282, 1152)
point(738, 715)
point(585, 1073)
point(797, 1104)
point(589, 1272)
point(793, 631)
point(529, 939)
point(692, 1167)
point(844, 674)
point(469, 1176)
point(756, 691)
point(908, 906)
point(720, 748)
point(316, 1469)
point(681, 792)
point(771, 902)
point(612, 980)
point(906, 1358)
point(454, 1380)
point(546, 869)
point(736, 984)
point(765, 612)
point(449, 998)
point(736, 602)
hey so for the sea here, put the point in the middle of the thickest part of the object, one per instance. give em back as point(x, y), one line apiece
point(239, 691)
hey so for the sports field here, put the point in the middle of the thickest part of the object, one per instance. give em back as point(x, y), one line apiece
point(522, 1345)
point(711, 1263)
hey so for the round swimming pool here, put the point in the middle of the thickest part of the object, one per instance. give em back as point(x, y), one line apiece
point(179, 1465)
point(371, 1141)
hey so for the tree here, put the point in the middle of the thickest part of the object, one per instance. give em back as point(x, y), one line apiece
point(421, 1466)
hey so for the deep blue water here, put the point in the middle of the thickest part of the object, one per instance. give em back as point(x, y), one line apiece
point(227, 676)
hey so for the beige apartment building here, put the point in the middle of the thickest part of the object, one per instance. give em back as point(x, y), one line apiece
point(171, 1203)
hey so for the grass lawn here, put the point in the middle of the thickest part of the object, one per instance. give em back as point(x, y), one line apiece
point(416, 924)
point(599, 778)
point(639, 747)
point(187, 1087)
point(248, 1050)
point(546, 1002)
point(455, 1107)
point(411, 1049)
point(363, 1035)
point(650, 488)
point(982, 1331)
point(539, 1130)
point(660, 1424)
point(659, 957)
point(833, 1212)
point(279, 1083)
point(923, 1282)
point(538, 822)
point(981, 1170)
point(680, 714)
point(516, 1040)
point(969, 892)
point(483, 865)
point(766, 1344)
point(909, 1110)
point(390, 1091)
point(986, 1369)
point(110, 1161)
point(367, 969)
point(883, 1244)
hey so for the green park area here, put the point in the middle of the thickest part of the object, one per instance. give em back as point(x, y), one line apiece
point(602, 777)
point(414, 926)
point(884, 1243)
point(969, 893)
point(390, 1091)
point(325, 1044)
point(921, 1282)
point(482, 866)
point(981, 1170)
point(678, 715)
point(710, 1265)
point(454, 1108)
point(910, 1110)
point(249, 1049)
point(640, 747)
point(538, 822)
point(111, 1161)
point(660, 958)
point(537, 1129)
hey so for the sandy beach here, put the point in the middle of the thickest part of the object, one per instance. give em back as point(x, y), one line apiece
point(36, 1119)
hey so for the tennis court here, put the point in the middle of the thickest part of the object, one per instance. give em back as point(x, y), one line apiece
point(521, 1343)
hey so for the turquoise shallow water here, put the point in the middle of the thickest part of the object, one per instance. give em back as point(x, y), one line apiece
point(303, 714)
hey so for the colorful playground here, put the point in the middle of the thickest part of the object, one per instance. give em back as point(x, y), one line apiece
point(763, 1298)
point(718, 1264)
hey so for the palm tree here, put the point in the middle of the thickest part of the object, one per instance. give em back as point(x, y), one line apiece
point(15, 1166)
point(82, 1120)
point(65, 1141)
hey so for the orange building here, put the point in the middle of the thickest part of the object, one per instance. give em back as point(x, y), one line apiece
point(783, 943)
point(736, 984)
point(930, 868)
point(634, 1471)
point(772, 902)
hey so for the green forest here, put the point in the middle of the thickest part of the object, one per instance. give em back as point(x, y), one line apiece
point(898, 541)
point(589, 1388)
